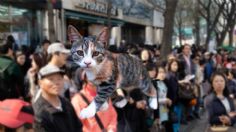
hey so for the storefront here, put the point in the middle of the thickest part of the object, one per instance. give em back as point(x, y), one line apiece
point(89, 17)
point(24, 20)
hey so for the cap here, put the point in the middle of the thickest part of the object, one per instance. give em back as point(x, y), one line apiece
point(48, 70)
point(15, 112)
point(57, 47)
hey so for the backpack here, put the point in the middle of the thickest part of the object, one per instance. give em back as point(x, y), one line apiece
point(5, 83)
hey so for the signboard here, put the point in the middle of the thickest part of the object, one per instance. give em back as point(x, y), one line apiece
point(100, 6)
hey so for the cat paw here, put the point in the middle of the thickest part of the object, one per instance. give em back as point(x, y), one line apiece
point(88, 112)
point(121, 104)
point(153, 103)
point(104, 106)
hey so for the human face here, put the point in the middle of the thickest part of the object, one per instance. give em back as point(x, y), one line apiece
point(187, 50)
point(45, 47)
point(161, 74)
point(152, 73)
point(62, 58)
point(52, 84)
point(21, 59)
point(218, 84)
point(144, 55)
point(174, 66)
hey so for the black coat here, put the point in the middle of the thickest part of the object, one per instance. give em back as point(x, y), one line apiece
point(216, 108)
point(50, 119)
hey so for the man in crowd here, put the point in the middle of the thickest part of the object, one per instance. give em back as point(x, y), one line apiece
point(11, 78)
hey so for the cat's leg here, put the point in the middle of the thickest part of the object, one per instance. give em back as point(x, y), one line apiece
point(104, 91)
point(120, 101)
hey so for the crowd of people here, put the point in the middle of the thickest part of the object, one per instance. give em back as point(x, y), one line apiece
point(41, 90)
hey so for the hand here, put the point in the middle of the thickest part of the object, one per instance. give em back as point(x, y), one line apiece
point(232, 114)
point(225, 119)
point(88, 112)
point(168, 102)
point(141, 104)
point(31, 72)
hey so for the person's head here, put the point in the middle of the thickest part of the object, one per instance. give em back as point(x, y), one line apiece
point(51, 80)
point(186, 49)
point(229, 74)
point(145, 55)
point(20, 58)
point(218, 83)
point(14, 114)
point(58, 54)
point(152, 71)
point(172, 66)
point(45, 44)
point(10, 39)
point(37, 60)
point(161, 72)
point(6, 48)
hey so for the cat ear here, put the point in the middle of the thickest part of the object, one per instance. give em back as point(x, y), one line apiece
point(103, 36)
point(73, 34)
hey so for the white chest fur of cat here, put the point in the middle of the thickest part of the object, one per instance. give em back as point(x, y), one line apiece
point(108, 71)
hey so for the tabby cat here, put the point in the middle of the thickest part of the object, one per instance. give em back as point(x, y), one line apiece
point(108, 71)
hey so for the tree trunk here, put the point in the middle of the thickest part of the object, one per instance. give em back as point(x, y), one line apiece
point(197, 25)
point(221, 37)
point(52, 36)
point(180, 34)
point(230, 32)
point(109, 6)
point(166, 46)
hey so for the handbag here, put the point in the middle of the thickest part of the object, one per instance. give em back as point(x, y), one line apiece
point(186, 92)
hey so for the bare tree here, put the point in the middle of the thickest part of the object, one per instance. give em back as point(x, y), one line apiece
point(227, 22)
point(211, 13)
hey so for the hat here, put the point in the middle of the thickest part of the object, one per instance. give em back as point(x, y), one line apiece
point(15, 112)
point(48, 70)
point(57, 47)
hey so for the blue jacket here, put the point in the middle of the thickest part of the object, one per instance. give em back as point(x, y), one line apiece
point(216, 108)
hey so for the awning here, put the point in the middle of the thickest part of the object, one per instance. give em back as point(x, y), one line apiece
point(92, 18)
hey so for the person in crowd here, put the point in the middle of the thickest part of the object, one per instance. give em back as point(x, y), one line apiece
point(54, 113)
point(172, 93)
point(187, 67)
point(44, 47)
point(221, 109)
point(31, 83)
point(231, 83)
point(11, 40)
point(57, 56)
point(104, 120)
point(11, 79)
point(20, 58)
point(16, 116)
point(164, 102)
point(146, 56)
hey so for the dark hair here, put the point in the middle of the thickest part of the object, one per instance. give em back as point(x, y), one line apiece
point(45, 41)
point(39, 60)
point(225, 91)
point(5, 46)
point(170, 63)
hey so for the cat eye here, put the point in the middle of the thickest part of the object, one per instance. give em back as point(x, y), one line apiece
point(96, 53)
point(80, 53)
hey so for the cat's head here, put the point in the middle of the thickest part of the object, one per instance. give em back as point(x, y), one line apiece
point(88, 52)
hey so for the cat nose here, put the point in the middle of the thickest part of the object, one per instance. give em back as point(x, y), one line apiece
point(87, 63)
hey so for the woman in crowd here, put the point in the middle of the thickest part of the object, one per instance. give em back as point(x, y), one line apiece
point(37, 61)
point(221, 109)
point(105, 119)
point(164, 101)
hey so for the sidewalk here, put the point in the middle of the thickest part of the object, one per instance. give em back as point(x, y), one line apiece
point(197, 125)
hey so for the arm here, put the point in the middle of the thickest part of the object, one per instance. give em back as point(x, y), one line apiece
point(43, 124)
point(213, 118)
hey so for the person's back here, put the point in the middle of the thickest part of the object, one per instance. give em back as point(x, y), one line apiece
point(11, 78)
